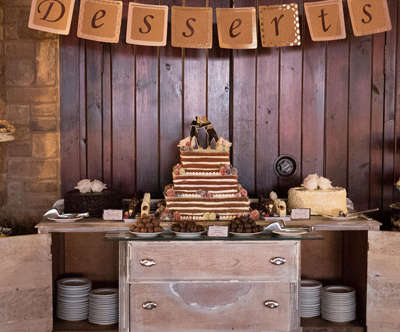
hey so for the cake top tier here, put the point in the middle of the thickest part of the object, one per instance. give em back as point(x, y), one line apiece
point(203, 138)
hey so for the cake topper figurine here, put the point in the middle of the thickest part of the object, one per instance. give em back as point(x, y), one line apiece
point(202, 134)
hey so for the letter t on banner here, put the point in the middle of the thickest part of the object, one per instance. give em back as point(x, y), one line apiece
point(369, 16)
point(100, 20)
point(237, 28)
point(51, 15)
point(325, 20)
point(147, 24)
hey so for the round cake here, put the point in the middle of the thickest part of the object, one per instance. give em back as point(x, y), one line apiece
point(331, 201)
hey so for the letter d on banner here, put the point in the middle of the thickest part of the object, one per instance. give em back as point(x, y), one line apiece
point(51, 15)
point(100, 20)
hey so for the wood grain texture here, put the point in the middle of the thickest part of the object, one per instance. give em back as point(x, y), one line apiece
point(383, 282)
point(222, 261)
point(210, 306)
point(26, 284)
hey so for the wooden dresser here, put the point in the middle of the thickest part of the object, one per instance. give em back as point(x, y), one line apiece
point(185, 286)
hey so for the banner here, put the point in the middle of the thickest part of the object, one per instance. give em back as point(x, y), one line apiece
point(369, 16)
point(100, 20)
point(51, 15)
point(280, 25)
point(237, 28)
point(325, 20)
point(191, 27)
point(147, 25)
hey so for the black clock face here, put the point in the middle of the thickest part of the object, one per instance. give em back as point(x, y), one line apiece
point(285, 166)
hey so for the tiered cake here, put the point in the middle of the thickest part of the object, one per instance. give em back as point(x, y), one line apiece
point(205, 185)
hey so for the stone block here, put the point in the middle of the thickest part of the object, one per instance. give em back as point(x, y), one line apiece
point(1, 15)
point(44, 124)
point(45, 145)
point(24, 32)
point(42, 186)
point(1, 32)
point(11, 31)
point(22, 133)
point(20, 149)
point(32, 95)
point(19, 49)
point(12, 14)
point(44, 110)
point(15, 193)
point(46, 62)
point(18, 114)
point(26, 168)
point(40, 200)
point(20, 72)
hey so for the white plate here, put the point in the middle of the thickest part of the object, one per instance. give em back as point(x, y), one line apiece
point(245, 234)
point(188, 235)
point(340, 218)
point(289, 232)
point(103, 292)
point(74, 282)
point(65, 218)
point(146, 235)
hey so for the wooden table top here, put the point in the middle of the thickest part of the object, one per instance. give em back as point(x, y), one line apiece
point(93, 225)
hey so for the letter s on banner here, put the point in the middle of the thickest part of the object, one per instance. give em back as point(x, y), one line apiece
point(51, 16)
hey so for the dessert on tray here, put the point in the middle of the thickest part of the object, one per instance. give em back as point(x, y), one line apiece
point(205, 185)
point(318, 194)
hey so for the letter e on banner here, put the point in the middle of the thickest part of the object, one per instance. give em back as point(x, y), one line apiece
point(237, 27)
point(325, 20)
point(51, 16)
point(369, 16)
point(100, 20)
point(191, 27)
point(147, 24)
point(279, 25)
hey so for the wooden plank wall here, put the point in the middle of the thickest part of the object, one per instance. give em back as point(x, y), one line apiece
point(330, 105)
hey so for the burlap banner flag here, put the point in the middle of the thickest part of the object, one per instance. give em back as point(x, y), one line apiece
point(237, 27)
point(325, 20)
point(191, 27)
point(147, 25)
point(100, 20)
point(279, 25)
point(369, 16)
point(51, 15)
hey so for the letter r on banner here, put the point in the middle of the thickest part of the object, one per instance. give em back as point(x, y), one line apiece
point(325, 20)
point(369, 16)
point(147, 24)
point(237, 28)
point(100, 20)
point(51, 15)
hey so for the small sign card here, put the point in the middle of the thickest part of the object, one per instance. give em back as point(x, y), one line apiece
point(51, 15)
point(217, 231)
point(300, 214)
point(112, 214)
point(100, 20)
point(369, 16)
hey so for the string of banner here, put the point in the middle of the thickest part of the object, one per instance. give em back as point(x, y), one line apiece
point(191, 27)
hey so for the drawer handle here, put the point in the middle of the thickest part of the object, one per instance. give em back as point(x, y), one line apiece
point(147, 262)
point(149, 305)
point(271, 304)
point(277, 260)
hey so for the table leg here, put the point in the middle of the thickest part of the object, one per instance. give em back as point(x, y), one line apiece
point(123, 288)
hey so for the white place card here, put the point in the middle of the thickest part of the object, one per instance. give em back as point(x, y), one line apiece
point(217, 231)
point(300, 214)
point(112, 214)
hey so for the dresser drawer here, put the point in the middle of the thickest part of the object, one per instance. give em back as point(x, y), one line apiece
point(269, 261)
point(213, 306)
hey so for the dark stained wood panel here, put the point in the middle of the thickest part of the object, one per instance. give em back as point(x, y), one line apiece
point(330, 105)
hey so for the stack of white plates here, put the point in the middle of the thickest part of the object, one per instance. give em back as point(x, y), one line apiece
point(103, 306)
point(338, 303)
point(73, 298)
point(310, 298)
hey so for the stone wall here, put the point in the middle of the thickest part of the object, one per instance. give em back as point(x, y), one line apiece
point(29, 80)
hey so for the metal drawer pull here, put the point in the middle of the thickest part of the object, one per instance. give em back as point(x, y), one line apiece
point(271, 304)
point(147, 262)
point(277, 260)
point(149, 305)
